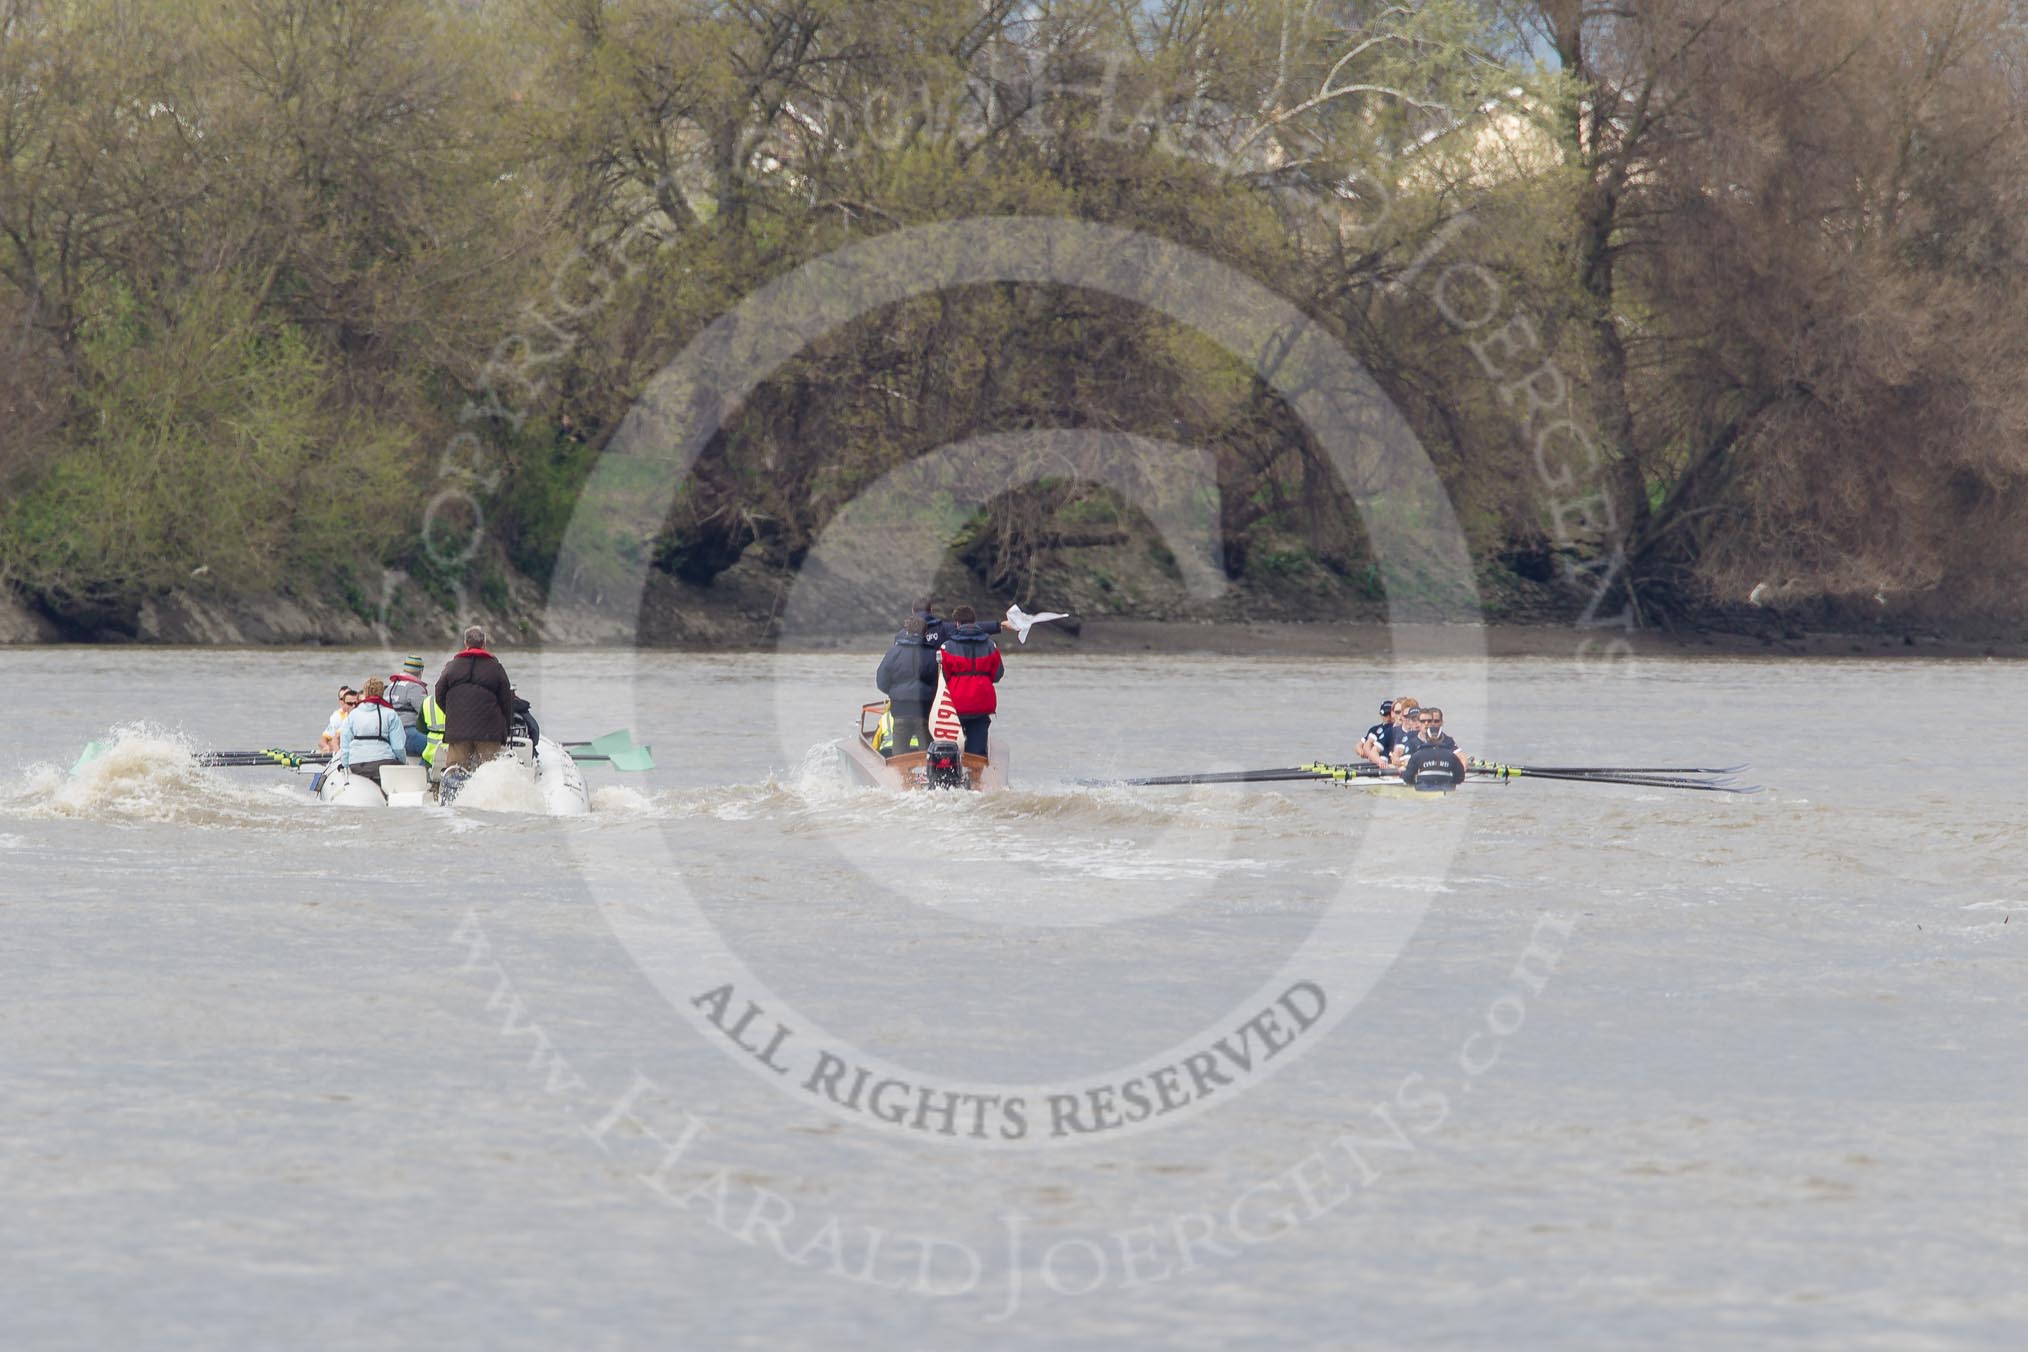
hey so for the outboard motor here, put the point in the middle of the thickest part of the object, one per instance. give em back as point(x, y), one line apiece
point(944, 766)
point(452, 781)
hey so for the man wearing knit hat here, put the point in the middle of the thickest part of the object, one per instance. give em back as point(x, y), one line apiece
point(406, 692)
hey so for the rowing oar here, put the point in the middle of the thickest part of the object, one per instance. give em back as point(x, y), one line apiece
point(1280, 774)
point(239, 760)
point(1637, 782)
point(1483, 769)
point(1367, 770)
point(1608, 769)
point(616, 749)
point(1596, 775)
point(1217, 777)
point(1508, 772)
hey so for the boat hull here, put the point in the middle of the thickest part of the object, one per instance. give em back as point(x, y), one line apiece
point(400, 786)
point(553, 775)
point(1394, 788)
point(908, 772)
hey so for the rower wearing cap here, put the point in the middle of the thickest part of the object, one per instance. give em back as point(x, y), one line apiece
point(1398, 730)
point(1430, 753)
point(1374, 745)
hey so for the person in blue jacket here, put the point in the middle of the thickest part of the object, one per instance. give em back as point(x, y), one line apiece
point(372, 735)
point(908, 677)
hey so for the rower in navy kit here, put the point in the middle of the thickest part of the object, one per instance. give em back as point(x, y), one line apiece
point(1412, 727)
point(1430, 757)
point(1398, 730)
point(1373, 746)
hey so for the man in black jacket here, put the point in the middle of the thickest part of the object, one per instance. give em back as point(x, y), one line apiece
point(477, 700)
point(935, 628)
point(908, 677)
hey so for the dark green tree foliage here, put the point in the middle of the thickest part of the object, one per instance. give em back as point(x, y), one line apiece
point(250, 250)
point(261, 263)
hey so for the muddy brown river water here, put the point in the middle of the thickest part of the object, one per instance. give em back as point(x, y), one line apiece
point(754, 1057)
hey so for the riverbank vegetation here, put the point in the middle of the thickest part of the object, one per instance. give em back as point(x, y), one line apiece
point(1687, 301)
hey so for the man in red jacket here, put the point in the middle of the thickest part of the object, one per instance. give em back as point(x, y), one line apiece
point(477, 700)
point(972, 667)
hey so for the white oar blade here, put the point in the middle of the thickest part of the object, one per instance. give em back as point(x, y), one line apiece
point(944, 725)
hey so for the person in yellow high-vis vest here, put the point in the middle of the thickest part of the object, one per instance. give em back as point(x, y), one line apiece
point(432, 723)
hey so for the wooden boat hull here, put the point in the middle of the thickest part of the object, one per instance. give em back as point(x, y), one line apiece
point(908, 771)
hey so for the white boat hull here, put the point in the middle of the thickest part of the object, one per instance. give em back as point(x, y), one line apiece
point(553, 777)
point(556, 781)
point(400, 786)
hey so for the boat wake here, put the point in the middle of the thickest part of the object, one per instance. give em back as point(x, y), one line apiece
point(145, 774)
point(820, 788)
point(1038, 832)
point(550, 784)
point(502, 788)
point(617, 802)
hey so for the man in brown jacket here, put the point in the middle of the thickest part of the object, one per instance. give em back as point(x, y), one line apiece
point(477, 700)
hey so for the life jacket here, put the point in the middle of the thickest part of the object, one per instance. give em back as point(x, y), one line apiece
point(380, 723)
point(433, 729)
point(404, 696)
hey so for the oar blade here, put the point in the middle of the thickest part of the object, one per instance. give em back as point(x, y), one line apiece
point(625, 757)
point(632, 759)
point(605, 745)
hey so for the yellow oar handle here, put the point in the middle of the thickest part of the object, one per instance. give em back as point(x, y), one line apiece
point(1362, 770)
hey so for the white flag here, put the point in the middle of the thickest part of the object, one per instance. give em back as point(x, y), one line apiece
point(1020, 621)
